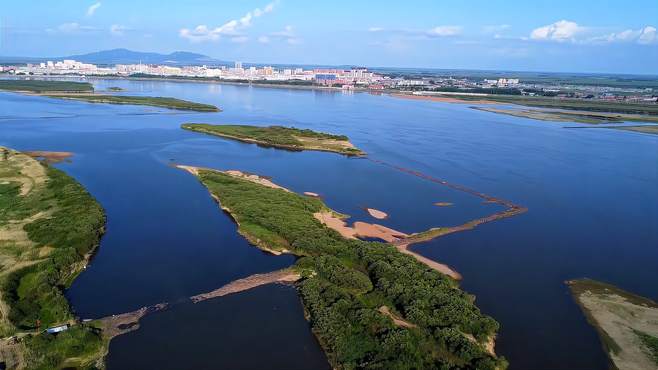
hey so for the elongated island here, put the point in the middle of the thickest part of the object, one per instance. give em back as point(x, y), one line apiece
point(289, 138)
point(49, 227)
point(84, 91)
point(45, 86)
point(153, 101)
point(369, 305)
point(627, 323)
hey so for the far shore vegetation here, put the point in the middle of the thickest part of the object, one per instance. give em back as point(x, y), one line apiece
point(370, 306)
point(571, 116)
point(627, 323)
point(45, 86)
point(280, 137)
point(49, 227)
point(590, 105)
point(154, 101)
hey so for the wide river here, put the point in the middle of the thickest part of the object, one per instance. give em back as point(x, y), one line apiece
point(592, 196)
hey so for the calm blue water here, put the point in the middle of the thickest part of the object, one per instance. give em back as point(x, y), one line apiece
point(591, 194)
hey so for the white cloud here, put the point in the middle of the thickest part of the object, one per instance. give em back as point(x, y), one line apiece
point(563, 31)
point(71, 28)
point(375, 29)
point(496, 28)
point(559, 31)
point(644, 36)
point(497, 31)
point(648, 35)
point(287, 34)
point(231, 28)
point(68, 27)
point(92, 9)
point(442, 31)
point(239, 39)
point(118, 30)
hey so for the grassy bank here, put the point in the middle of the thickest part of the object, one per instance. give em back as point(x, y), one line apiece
point(571, 116)
point(49, 225)
point(154, 101)
point(589, 105)
point(627, 323)
point(42, 86)
point(347, 282)
point(280, 137)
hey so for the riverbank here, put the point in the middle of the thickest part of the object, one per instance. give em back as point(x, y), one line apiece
point(627, 323)
point(571, 104)
point(49, 228)
point(288, 138)
point(360, 272)
point(570, 116)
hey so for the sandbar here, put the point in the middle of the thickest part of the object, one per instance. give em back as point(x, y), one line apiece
point(442, 99)
point(380, 215)
point(359, 229)
point(50, 157)
point(443, 204)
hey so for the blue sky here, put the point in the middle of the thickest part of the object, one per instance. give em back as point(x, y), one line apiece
point(574, 36)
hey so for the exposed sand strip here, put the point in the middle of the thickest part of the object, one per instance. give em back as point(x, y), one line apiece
point(397, 238)
point(512, 209)
point(442, 99)
point(250, 282)
point(261, 180)
point(255, 179)
point(396, 320)
point(440, 231)
point(115, 325)
point(440, 267)
point(362, 229)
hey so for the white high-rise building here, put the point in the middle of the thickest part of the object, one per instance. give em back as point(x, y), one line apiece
point(238, 65)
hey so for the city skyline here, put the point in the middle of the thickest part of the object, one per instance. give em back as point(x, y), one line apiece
point(550, 36)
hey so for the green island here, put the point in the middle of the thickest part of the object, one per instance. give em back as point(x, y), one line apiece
point(370, 306)
point(154, 101)
point(44, 86)
point(627, 323)
point(570, 116)
point(280, 137)
point(49, 227)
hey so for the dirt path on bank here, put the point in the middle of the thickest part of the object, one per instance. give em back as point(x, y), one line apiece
point(250, 282)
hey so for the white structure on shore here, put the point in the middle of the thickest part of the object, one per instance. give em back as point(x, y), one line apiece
point(332, 77)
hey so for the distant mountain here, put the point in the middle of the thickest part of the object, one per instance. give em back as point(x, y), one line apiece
point(125, 56)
